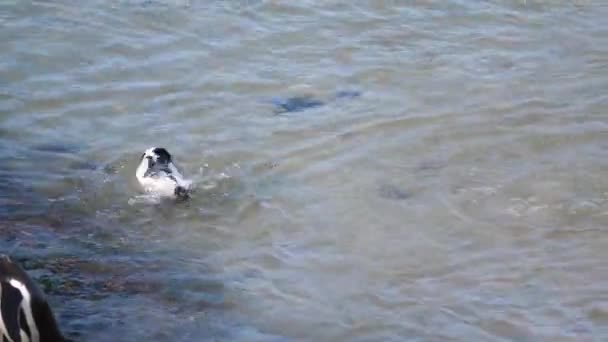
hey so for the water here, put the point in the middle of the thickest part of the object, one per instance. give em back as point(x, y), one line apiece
point(458, 191)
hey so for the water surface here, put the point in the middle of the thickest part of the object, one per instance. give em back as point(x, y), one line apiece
point(459, 192)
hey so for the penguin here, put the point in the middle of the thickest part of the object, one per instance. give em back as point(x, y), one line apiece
point(25, 315)
point(157, 174)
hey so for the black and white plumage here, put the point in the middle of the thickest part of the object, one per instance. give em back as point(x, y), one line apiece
point(158, 175)
point(25, 315)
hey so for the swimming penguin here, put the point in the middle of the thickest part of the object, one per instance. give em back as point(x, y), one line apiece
point(158, 175)
point(25, 315)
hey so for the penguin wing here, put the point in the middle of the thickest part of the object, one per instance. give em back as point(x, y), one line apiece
point(178, 178)
point(158, 170)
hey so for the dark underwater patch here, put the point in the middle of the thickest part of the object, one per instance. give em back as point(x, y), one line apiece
point(83, 165)
point(393, 192)
point(56, 148)
point(62, 151)
point(295, 104)
point(301, 103)
point(348, 94)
